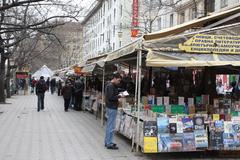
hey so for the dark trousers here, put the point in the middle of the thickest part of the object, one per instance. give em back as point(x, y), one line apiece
point(59, 91)
point(40, 101)
point(66, 103)
point(78, 100)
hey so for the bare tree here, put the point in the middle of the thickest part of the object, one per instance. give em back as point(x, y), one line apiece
point(25, 19)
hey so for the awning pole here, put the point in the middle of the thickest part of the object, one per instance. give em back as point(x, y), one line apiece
point(102, 113)
point(139, 95)
point(136, 86)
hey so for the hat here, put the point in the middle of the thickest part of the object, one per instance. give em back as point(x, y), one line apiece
point(41, 77)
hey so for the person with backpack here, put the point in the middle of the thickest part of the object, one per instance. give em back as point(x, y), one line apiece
point(41, 87)
point(78, 93)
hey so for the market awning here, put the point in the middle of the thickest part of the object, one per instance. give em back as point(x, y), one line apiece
point(192, 24)
point(177, 59)
point(126, 50)
point(89, 68)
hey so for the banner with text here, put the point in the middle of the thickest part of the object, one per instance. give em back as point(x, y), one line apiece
point(203, 43)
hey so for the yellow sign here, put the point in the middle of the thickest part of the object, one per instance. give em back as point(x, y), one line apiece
point(204, 43)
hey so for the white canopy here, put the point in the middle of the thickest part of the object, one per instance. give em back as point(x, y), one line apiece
point(43, 71)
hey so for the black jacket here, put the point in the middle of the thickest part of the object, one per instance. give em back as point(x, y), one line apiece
point(111, 96)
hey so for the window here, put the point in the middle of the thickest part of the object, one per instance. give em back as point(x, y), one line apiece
point(171, 20)
point(192, 13)
point(114, 30)
point(224, 3)
point(114, 16)
point(121, 10)
point(120, 44)
point(113, 46)
point(210, 5)
point(159, 23)
point(182, 17)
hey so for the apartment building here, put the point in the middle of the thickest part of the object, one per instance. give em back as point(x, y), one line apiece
point(177, 12)
point(107, 27)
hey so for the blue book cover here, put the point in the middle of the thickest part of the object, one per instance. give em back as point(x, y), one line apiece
point(201, 138)
point(163, 124)
point(187, 124)
point(219, 126)
point(189, 142)
point(228, 141)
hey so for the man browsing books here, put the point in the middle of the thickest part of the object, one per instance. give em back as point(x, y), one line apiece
point(111, 100)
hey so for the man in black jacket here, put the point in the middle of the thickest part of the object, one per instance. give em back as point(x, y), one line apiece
point(111, 100)
point(41, 87)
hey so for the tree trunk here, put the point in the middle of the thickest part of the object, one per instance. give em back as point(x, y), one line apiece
point(2, 77)
point(8, 80)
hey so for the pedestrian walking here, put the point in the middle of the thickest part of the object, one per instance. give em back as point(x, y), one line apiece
point(111, 100)
point(33, 84)
point(67, 92)
point(78, 93)
point(41, 87)
point(48, 83)
point(53, 85)
point(59, 87)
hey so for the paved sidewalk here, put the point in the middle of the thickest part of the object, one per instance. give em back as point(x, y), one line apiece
point(53, 134)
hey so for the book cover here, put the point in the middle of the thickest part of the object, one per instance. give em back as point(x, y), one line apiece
point(181, 101)
point(228, 141)
point(222, 117)
point(236, 124)
point(187, 124)
point(173, 127)
point(219, 126)
point(163, 124)
point(190, 101)
point(199, 100)
point(189, 142)
point(215, 117)
point(205, 99)
point(179, 127)
point(168, 109)
point(159, 101)
point(164, 141)
point(176, 142)
point(216, 140)
point(166, 100)
point(172, 119)
point(150, 145)
point(151, 99)
point(191, 109)
point(150, 128)
point(237, 140)
point(201, 138)
point(228, 127)
point(198, 123)
point(215, 103)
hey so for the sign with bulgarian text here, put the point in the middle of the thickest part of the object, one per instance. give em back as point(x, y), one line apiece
point(219, 44)
point(134, 30)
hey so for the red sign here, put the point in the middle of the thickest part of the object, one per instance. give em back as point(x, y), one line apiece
point(134, 31)
point(21, 75)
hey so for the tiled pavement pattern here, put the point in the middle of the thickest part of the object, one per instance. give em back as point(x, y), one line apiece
point(53, 134)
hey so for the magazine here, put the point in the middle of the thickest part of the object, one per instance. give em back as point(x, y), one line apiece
point(216, 140)
point(150, 145)
point(228, 141)
point(228, 127)
point(150, 129)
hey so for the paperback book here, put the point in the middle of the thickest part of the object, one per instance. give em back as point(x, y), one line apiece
point(150, 129)
point(189, 142)
point(201, 138)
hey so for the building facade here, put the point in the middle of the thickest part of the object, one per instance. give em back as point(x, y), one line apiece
point(187, 10)
point(107, 27)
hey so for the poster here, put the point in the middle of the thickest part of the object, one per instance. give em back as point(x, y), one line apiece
point(166, 100)
point(190, 101)
point(181, 101)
